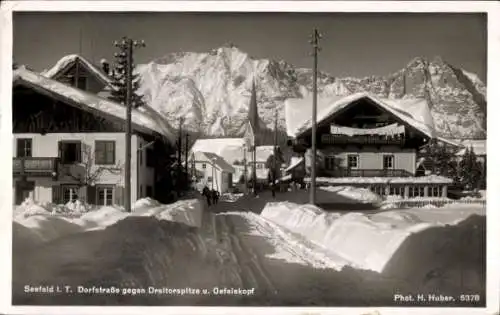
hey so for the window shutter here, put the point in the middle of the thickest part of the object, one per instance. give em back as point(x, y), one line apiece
point(60, 151)
point(91, 195)
point(82, 193)
point(79, 152)
point(99, 152)
point(119, 195)
point(110, 154)
point(19, 148)
point(56, 194)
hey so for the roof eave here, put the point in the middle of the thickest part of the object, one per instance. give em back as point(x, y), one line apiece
point(20, 81)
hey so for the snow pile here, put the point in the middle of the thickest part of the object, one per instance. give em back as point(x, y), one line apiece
point(30, 208)
point(145, 203)
point(188, 212)
point(45, 227)
point(77, 206)
point(287, 245)
point(101, 218)
point(430, 179)
point(362, 195)
point(367, 242)
point(229, 197)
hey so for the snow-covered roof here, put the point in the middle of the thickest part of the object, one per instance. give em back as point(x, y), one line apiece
point(414, 112)
point(294, 162)
point(430, 179)
point(216, 160)
point(69, 59)
point(479, 146)
point(231, 149)
point(263, 152)
point(92, 103)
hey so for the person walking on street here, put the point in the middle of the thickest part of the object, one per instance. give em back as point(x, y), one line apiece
point(207, 194)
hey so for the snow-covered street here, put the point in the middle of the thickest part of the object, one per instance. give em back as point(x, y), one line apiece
point(287, 254)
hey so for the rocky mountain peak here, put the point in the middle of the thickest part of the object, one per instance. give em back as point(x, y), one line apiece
point(212, 90)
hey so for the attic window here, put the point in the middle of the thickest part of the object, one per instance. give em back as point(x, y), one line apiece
point(81, 82)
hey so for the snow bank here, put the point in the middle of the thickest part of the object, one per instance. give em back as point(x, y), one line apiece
point(230, 197)
point(45, 227)
point(30, 208)
point(366, 241)
point(188, 212)
point(145, 202)
point(362, 195)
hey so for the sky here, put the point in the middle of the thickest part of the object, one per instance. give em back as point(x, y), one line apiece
point(353, 44)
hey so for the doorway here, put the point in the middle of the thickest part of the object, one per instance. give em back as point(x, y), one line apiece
point(24, 189)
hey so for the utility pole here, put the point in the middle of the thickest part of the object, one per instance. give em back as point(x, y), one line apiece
point(254, 168)
point(186, 154)
point(275, 153)
point(179, 156)
point(126, 46)
point(316, 36)
point(245, 168)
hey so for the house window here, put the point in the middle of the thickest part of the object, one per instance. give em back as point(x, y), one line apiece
point(105, 152)
point(412, 191)
point(24, 147)
point(149, 191)
point(70, 151)
point(209, 179)
point(150, 158)
point(416, 191)
point(397, 191)
point(204, 166)
point(435, 191)
point(105, 195)
point(388, 162)
point(81, 82)
point(352, 161)
point(70, 193)
point(330, 162)
point(140, 191)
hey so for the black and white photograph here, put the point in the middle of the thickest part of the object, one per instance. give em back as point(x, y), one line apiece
point(248, 159)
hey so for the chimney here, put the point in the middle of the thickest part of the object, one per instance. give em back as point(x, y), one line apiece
point(105, 66)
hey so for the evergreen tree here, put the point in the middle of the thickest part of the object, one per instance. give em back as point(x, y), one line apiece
point(469, 170)
point(118, 75)
point(442, 158)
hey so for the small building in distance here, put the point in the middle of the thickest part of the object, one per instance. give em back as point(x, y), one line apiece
point(212, 171)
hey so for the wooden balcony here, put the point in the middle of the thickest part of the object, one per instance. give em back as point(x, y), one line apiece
point(329, 139)
point(35, 166)
point(371, 173)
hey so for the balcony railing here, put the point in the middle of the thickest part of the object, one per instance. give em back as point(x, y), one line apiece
point(329, 139)
point(35, 166)
point(371, 173)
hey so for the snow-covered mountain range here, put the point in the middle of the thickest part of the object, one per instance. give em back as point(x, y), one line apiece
point(212, 90)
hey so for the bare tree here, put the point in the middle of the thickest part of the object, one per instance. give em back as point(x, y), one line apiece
point(87, 173)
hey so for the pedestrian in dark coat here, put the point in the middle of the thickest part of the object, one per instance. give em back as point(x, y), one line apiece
point(207, 194)
point(214, 196)
point(217, 196)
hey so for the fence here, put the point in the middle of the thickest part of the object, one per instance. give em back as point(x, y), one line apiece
point(416, 203)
